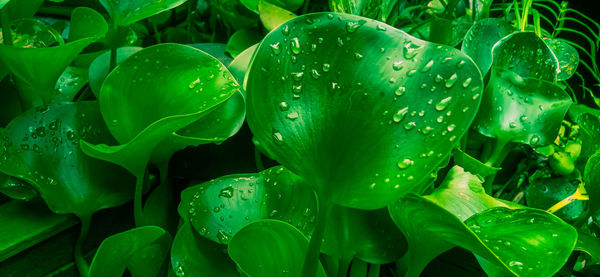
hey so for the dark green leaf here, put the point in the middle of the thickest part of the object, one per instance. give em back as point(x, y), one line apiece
point(116, 252)
point(544, 193)
point(361, 110)
point(217, 50)
point(72, 80)
point(591, 178)
point(42, 147)
point(16, 188)
point(220, 208)
point(241, 40)
point(196, 256)
point(270, 248)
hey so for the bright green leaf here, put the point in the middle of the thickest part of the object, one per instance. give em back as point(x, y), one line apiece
point(126, 12)
point(361, 110)
point(100, 66)
point(480, 40)
point(568, 58)
point(241, 40)
point(272, 15)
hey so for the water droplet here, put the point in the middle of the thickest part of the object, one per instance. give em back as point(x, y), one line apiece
point(295, 46)
point(411, 73)
point(351, 27)
point(460, 64)
point(397, 66)
point(216, 209)
point(451, 127)
point(443, 104)
point(467, 82)
point(358, 56)
point(226, 192)
point(438, 78)
point(284, 106)
point(194, 83)
point(223, 237)
point(292, 115)
point(534, 140)
point(410, 125)
point(410, 50)
point(276, 48)
point(380, 27)
point(326, 67)
point(398, 116)
point(427, 130)
point(315, 74)
point(297, 89)
point(285, 30)
point(400, 91)
point(427, 66)
point(340, 42)
point(277, 138)
point(405, 163)
point(451, 81)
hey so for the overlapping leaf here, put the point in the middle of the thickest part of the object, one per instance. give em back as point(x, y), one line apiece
point(360, 109)
point(124, 13)
point(41, 146)
point(481, 38)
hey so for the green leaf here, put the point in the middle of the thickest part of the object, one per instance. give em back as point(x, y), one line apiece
point(527, 55)
point(473, 165)
point(99, 68)
point(568, 58)
point(239, 66)
point(591, 177)
point(544, 193)
point(524, 242)
point(117, 252)
point(10, 104)
point(290, 5)
point(241, 40)
point(17, 189)
point(30, 33)
point(370, 236)
point(195, 256)
point(217, 50)
point(480, 40)
point(361, 110)
point(588, 244)
point(17, 9)
point(124, 13)
point(270, 248)
point(348, 6)
point(37, 69)
point(144, 119)
point(41, 146)
point(218, 209)
point(589, 126)
point(272, 15)
point(524, 110)
point(70, 82)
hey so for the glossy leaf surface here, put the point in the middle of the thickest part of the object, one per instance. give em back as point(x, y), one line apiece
point(544, 193)
point(526, 242)
point(117, 252)
point(41, 146)
point(218, 209)
point(481, 38)
point(349, 96)
point(568, 58)
point(70, 82)
point(16, 188)
point(196, 256)
point(158, 91)
point(528, 111)
point(527, 55)
point(100, 66)
point(124, 13)
point(370, 236)
point(270, 248)
point(37, 69)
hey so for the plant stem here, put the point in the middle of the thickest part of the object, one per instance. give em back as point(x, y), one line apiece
point(343, 267)
point(156, 33)
point(137, 199)
point(82, 265)
point(498, 153)
point(374, 270)
point(113, 48)
point(311, 261)
point(6, 32)
point(305, 6)
point(580, 194)
point(258, 160)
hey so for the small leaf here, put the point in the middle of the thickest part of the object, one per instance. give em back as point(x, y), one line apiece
point(116, 252)
point(17, 189)
point(473, 165)
point(217, 50)
point(196, 257)
point(524, 110)
point(72, 80)
point(481, 38)
point(272, 15)
point(270, 248)
point(568, 58)
point(218, 209)
point(544, 193)
point(124, 13)
point(241, 40)
point(41, 146)
point(290, 5)
point(362, 111)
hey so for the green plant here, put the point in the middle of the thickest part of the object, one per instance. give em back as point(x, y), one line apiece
point(395, 131)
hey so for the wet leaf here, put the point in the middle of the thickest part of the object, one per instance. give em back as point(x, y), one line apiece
point(196, 256)
point(568, 58)
point(524, 110)
point(362, 119)
point(270, 248)
point(145, 119)
point(17, 189)
point(70, 82)
point(37, 69)
point(124, 13)
point(118, 252)
point(41, 146)
point(481, 38)
point(218, 209)
point(544, 193)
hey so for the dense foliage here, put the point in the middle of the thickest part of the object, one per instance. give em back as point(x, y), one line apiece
point(393, 132)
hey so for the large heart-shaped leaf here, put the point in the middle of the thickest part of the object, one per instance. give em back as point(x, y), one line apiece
point(522, 242)
point(127, 12)
point(481, 38)
point(118, 252)
point(270, 248)
point(370, 236)
point(192, 256)
point(158, 91)
point(360, 109)
point(41, 146)
point(524, 110)
point(220, 208)
point(37, 69)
